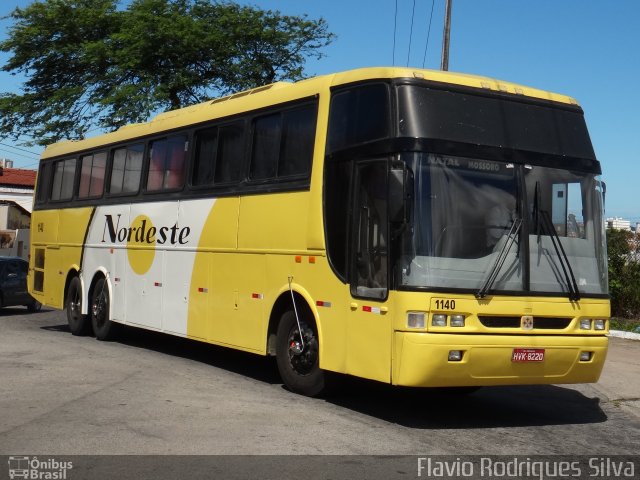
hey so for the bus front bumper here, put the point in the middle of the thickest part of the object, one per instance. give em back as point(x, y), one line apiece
point(422, 359)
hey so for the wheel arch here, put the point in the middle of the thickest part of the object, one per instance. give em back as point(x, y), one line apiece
point(305, 307)
point(74, 271)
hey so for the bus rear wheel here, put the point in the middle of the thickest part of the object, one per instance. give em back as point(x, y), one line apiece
point(103, 328)
point(298, 361)
point(79, 324)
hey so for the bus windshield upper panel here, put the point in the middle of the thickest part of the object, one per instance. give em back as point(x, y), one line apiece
point(514, 124)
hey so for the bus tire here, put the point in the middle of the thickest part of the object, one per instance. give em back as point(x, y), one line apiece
point(79, 324)
point(103, 328)
point(34, 306)
point(300, 370)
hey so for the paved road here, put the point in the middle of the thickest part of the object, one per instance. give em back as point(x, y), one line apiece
point(153, 394)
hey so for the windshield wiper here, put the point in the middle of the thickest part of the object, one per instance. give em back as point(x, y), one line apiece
point(572, 285)
point(543, 222)
point(497, 266)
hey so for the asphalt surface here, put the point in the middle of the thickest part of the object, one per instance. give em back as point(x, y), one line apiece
point(149, 394)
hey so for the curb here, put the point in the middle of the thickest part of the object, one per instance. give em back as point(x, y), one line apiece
point(627, 335)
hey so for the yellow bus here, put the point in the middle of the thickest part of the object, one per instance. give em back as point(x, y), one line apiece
point(414, 227)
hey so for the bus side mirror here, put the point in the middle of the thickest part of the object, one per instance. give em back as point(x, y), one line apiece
point(400, 195)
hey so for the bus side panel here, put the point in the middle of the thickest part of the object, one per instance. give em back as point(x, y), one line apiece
point(275, 222)
point(63, 232)
point(104, 254)
point(237, 301)
point(218, 238)
point(175, 287)
point(146, 261)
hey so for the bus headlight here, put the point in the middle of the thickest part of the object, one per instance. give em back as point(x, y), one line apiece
point(585, 324)
point(457, 321)
point(599, 324)
point(415, 319)
point(439, 320)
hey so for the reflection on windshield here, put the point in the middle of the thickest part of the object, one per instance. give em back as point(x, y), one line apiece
point(464, 210)
point(571, 204)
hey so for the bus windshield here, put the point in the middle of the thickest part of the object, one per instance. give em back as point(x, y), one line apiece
point(464, 211)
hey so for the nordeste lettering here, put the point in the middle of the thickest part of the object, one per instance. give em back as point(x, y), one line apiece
point(173, 235)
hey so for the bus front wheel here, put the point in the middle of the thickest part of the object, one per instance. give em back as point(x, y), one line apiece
point(298, 361)
point(103, 328)
point(79, 324)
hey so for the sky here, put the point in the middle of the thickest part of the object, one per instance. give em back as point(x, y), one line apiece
point(588, 49)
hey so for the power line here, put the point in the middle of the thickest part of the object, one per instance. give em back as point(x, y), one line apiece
point(413, 14)
point(424, 57)
point(395, 27)
point(14, 154)
point(20, 149)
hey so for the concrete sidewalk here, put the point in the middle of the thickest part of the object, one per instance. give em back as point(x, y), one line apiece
point(620, 379)
point(622, 334)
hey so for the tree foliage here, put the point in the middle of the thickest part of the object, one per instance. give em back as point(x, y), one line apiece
point(624, 273)
point(90, 64)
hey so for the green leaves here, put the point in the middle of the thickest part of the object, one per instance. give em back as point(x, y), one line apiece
point(90, 65)
point(624, 273)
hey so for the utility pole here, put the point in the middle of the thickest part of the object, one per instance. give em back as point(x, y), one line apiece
point(444, 64)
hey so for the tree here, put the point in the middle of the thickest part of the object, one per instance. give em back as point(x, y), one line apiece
point(92, 65)
point(624, 273)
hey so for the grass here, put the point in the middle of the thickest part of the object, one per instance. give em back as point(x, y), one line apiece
point(625, 324)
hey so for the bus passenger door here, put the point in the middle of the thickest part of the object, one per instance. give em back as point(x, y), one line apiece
point(369, 329)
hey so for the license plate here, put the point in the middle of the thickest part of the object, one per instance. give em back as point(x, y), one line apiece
point(527, 355)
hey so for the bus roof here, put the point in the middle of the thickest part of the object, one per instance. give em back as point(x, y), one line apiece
point(281, 92)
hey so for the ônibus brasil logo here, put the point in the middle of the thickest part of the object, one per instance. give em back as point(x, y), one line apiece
point(33, 468)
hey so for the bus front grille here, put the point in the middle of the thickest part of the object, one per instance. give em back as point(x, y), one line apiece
point(546, 323)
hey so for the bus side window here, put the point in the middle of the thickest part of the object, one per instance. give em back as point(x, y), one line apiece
point(64, 173)
point(92, 169)
point(167, 163)
point(298, 135)
point(230, 154)
point(44, 182)
point(266, 147)
point(283, 144)
point(204, 160)
point(358, 115)
point(126, 169)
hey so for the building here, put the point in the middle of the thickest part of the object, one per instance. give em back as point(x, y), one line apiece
point(17, 184)
point(618, 224)
point(14, 230)
point(16, 202)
